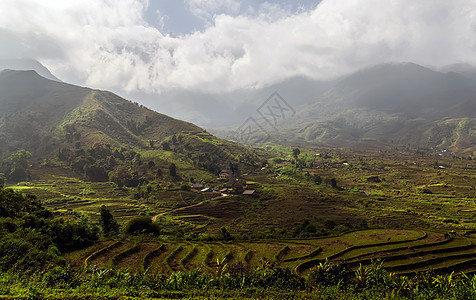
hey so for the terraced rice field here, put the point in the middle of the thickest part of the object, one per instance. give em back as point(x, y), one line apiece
point(403, 252)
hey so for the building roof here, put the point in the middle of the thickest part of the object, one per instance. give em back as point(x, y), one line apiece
point(248, 192)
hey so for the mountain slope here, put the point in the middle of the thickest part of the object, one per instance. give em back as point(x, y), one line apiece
point(401, 105)
point(24, 64)
point(44, 116)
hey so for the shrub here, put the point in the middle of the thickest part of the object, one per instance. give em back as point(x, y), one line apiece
point(225, 234)
point(60, 277)
point(72, 234)
point(305, 229)
point(142, 225)
point(329, 274)
point(24, 249)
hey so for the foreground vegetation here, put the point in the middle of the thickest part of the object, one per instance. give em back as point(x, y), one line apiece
point(405, 252)
point(112, 200)
point(331, 225)
point(335, 190)
point(327, 281)
point(36, 251)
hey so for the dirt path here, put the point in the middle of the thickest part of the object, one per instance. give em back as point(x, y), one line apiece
point(458, 137)
point(188, 206)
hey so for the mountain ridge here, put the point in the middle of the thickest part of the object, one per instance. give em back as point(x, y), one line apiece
point(25, 64)
point(46, 117)
point(392, 104)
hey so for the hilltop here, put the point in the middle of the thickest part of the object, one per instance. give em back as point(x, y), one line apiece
point(26, 64)
point(50, 118)
point(40, 114)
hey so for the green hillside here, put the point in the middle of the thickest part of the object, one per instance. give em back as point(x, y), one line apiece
point(52, 119)
point(40, 115)
point(391, 106)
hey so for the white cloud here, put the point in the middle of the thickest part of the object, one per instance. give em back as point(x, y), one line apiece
point(161, 20)
point(109, 45)
point(206, 9)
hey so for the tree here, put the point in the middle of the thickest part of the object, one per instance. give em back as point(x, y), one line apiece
point(333, 183)
point(95, 173)
point(14, 204)
point(234, 168)
point(330, 224)
point(122, 176)
point(296, 152)
point(305, 229)
point(108, 223)
point(173, 170)
point(18, 163)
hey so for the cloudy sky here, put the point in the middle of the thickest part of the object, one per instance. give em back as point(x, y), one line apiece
point(220, 45)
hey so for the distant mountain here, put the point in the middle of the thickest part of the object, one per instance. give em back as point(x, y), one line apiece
point(230, 109)
point(391, 105)
point(44, 116)
point(25, 64)
point(463, 69)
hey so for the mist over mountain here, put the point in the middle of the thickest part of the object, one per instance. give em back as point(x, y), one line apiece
point(24, 64)
point(229, 110)
point(389, 105)
point(392, 104)
point(463, 69)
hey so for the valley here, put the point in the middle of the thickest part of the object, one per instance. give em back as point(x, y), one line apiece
point(380, 189)
point(394, 206)
point(112, 187)
point(225, 149)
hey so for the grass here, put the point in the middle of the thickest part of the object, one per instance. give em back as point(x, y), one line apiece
point(412, 192)
point(77, 259)
point(172, 256)
point(399, 200)
point(166, 257)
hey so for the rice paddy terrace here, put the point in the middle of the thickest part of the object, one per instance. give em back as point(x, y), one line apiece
point(404, 252)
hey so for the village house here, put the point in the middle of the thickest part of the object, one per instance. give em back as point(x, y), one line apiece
point(197, 186)
point(226, 174)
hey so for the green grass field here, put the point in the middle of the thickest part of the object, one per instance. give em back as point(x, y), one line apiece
point(410, 200)
point(407, 252)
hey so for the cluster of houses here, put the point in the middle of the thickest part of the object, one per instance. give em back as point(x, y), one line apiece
point(233, 186)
